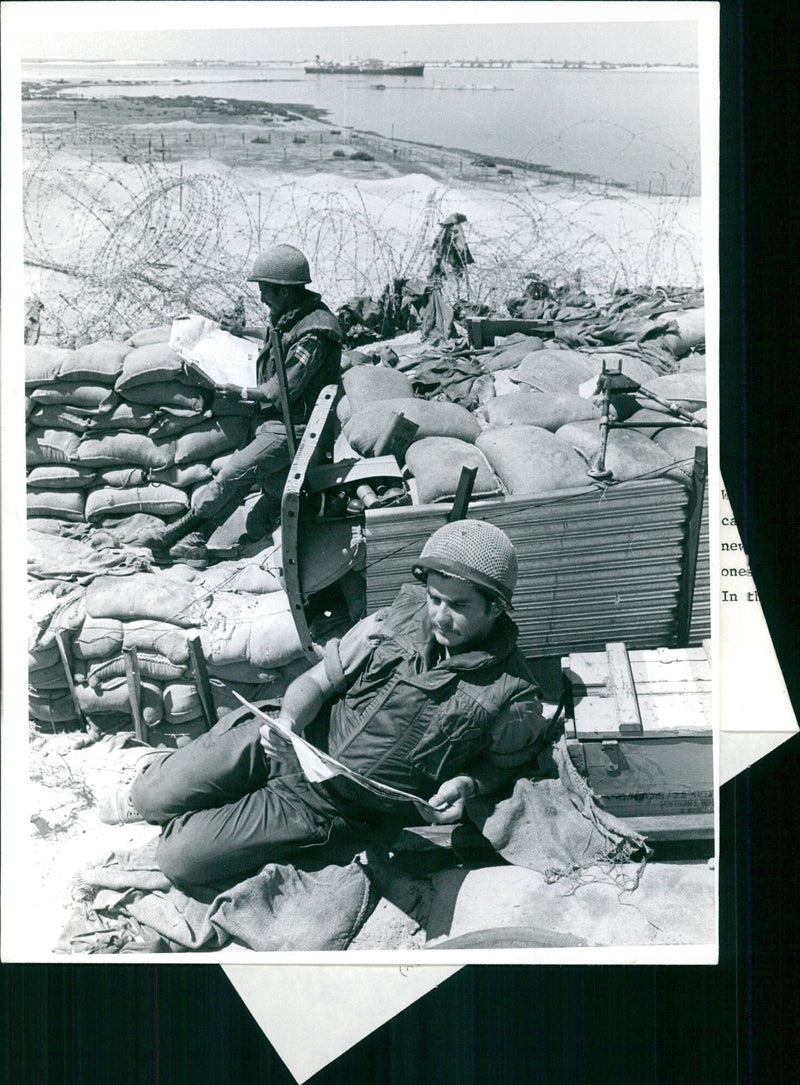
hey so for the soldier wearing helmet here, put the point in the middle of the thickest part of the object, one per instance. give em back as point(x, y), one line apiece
point(429, 695)
point(311, 344)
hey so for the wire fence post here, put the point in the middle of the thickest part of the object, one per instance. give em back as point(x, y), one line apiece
point(180, 190)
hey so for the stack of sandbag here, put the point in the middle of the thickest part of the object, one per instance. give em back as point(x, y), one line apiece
point(120, 429)
point(246, 634)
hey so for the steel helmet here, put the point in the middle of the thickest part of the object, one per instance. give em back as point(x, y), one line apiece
point(282, 264)
point(471, 550)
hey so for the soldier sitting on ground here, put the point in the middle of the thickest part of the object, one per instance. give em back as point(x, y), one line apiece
point(429, 695)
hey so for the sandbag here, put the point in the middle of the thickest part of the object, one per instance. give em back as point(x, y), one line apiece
point(145, 595)
point(97, 363)
point(173, 425)
point(246, 576)
point(60, 476)
point(210, 439)
point(343, 411)
point(167, 394)
point(50, 446)
point(531, 460)
point(119, 477)
point(692, 363)
point(148, 365)
point(53, 416)
point(510, 350)
point(680, 442)
point(181, 702)
point(43, 364)
point(255, 629)
point(121, 449)
point(98, 638)
point(49, 678)
point(91, 397)
point(552, 370)
point(129, 416)
point(184, 476)
point(691, 330)
point(55, 707)
point(147, 336)
point(435, 419)
point(40, 658)
point(629, 455)
point(59, 504)
point(128, 530)
point(151, 665)
point(370, 383)
point(686, 390)
point(113, 696)
point(547, 410)
point(437, 462)
point(163, 637)
point(156, 499)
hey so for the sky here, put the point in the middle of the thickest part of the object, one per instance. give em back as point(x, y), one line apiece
point(283, 31)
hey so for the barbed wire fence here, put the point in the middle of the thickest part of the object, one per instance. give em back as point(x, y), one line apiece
point(116, 241)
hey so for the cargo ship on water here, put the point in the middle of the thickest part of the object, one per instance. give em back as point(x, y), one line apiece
point(367, 67)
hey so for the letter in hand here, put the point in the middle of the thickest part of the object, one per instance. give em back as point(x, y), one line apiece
point(449, 801)
point(275, 745)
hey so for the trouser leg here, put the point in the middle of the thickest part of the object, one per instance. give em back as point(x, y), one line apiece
point(266, 456)
point(220, 766)
point(225, 812)
point(286, 819)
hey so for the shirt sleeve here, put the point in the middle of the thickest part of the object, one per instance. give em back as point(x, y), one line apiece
point(518, 734)
point(302, 362)
point(345, 657)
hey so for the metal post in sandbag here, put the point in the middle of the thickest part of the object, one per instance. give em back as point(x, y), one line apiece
point(463, 496)
point(283, 388)
point(200, 672)
point(133, 678)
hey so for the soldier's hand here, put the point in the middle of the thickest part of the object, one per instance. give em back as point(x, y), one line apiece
point(275, 745)
point(228, 392)
point(449, 801)
point(231, 326)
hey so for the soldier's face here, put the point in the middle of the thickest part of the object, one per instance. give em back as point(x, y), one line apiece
point(272, 295)
point(459, 613)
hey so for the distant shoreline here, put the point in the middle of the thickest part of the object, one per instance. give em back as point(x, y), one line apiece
point(293, 118)
point(516, 66)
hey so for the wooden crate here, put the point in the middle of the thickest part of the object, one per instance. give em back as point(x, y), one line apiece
point(640, 732)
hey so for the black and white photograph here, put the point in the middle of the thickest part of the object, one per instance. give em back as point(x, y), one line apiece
point(361, 605)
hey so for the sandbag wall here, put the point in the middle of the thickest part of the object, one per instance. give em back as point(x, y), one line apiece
point(597, 562)
point(118, 438)
point(120, 429)
point(238, 611)
point(536, 428)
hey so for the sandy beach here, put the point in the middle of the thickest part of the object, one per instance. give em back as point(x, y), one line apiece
point(184, 192)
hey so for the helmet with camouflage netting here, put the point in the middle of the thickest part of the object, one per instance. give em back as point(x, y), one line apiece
point(475, 551)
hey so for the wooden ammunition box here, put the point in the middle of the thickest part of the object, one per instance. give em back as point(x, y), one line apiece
point(639, 729)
